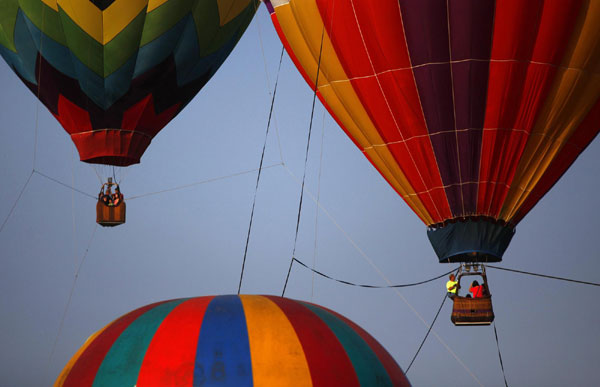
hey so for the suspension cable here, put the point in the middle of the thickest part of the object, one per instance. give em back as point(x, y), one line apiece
point(211, 180)
point(70, 297)
point(545, 276)
point(262, 157)
point(312, 114)
point(500, 355)
point(427, 334)
point(63, 184)
point(16, 201)
point(372, 286)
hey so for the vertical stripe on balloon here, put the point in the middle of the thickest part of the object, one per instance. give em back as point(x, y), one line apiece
point(274, 345)
point(130, 348)
point(223, 353)
point(333, 366)
point(169, 360)
point(366, 365)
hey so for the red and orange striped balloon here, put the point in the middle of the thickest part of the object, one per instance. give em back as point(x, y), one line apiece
point(232, 341)
point(470, 109)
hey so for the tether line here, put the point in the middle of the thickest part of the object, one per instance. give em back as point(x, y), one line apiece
point(62, 321)
point(262, 157)
point(371, 286)
point(312, 114)
point(545, 276)
point(201, 182)
point(500, 355)
point(63, 184)
point(16, 201)
point(427, 334)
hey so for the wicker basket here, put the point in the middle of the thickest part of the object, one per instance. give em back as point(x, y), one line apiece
point(110, 216)
point(472, 311)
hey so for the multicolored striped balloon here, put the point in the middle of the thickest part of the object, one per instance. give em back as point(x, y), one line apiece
point(232, 341)
point(115, 72)
point(470, 109)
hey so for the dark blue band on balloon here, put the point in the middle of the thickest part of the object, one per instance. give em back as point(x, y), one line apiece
point(223, 356)
point(471, 240)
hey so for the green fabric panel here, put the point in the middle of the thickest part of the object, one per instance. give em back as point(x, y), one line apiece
point(124, 45)
point(83, 46)
point(164, 18)
point(368, 368)
point(8, 18)
point(211, 35)
point(123, 362)
point(206, 17)
point(51, 25)
point(103, 60)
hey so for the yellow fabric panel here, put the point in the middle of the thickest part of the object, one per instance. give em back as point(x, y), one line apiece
point(274, 345)
point(51, 3)
point(153, 4)
point(102, 26)
point(302, 27)
point(575, 91)
point(65, 372)
point(229, 9)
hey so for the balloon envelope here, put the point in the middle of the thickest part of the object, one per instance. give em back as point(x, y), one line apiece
point(115, 72)
point(232, 341)
point(471, 110)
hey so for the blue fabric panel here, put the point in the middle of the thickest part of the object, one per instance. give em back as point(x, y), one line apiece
point(104, 92)
point(223, 356)
point(187, 52)
point(118, 83)
point(55, 53)
point(155, 52)
point(208, 65)
point(24, 61)
point(455, 242)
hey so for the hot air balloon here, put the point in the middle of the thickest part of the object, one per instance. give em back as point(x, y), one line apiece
point(471, 110)
point(233, 341)
point(115, 72)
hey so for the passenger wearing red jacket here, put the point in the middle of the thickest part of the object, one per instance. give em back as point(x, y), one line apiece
point(476, 290)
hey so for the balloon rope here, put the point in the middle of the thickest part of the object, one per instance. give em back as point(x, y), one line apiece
point(314, 262)
point(500, 355)
point(545, 276)
point(62, 320)
point(64, 185)
point(372, 286)
point(262, 157)
point(312, 114)
point(426, 335)
point(16, 202)
point(262, 50)
point(200, 182)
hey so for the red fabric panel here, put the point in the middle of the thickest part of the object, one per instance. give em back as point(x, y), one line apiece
point(393, 369)
point(84, 370)
point(73, 118)
point(169, 360)
point(111, 146)
point(391, 99)
point(583, 136)
point(524, 32)
point(142, 117)
point(331, 368)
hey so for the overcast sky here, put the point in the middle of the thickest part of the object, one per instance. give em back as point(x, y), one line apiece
point(190, 242)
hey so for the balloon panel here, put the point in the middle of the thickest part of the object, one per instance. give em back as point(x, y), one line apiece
point(471, 110)
point(114, 73)
point(234, 341)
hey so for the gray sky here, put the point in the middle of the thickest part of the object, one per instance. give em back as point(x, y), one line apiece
point(190, 242)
